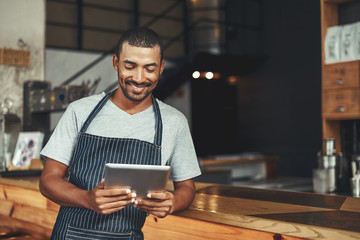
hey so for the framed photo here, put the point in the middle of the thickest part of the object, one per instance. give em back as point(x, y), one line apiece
point(27, 147)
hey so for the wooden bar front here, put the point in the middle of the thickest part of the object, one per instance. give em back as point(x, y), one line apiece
point(218, 212)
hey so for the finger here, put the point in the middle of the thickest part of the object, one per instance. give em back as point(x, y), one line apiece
point(101, 184)
point(154, 209)
point(150, 204)
point(111, 192)
point(112, 210)
point(159, 195)
point(115, 198)
point(115, 205)
point(160, 212)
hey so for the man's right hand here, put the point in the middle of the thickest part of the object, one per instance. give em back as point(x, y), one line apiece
point(107, 201)
point(54, 186)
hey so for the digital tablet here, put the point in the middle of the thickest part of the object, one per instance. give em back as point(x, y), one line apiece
point(140, 178)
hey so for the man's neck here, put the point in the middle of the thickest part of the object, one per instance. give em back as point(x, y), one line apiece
point(131, 107)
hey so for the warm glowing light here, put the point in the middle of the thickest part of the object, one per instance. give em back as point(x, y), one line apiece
point(196, 74)
point(209, 75)
point(232, 80)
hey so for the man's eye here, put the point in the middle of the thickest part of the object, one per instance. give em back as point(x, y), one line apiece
point(129, 67)
point(150, 70)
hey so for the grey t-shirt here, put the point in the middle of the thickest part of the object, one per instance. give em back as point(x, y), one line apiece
point(177, 146)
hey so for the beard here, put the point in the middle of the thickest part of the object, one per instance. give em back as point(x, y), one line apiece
point(134, 96)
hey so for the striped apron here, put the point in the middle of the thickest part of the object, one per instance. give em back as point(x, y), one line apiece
point(87, 170)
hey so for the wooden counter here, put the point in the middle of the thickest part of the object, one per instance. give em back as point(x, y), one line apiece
point(218, 212)
point(270, 163)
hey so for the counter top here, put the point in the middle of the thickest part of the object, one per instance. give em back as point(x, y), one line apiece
point(302, 215)
point(31, 182)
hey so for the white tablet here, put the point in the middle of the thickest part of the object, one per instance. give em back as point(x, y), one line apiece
point(140, 178)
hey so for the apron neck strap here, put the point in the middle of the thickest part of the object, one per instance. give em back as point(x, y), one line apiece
point(95, 111)
point(100, 105)
point(158, 123)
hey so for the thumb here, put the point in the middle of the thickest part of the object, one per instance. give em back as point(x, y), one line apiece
point(101, 184)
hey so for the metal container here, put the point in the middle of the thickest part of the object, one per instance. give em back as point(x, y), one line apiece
point(329, 146)
point(10, 126)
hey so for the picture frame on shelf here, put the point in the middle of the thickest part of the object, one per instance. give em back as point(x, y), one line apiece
point(27, 148)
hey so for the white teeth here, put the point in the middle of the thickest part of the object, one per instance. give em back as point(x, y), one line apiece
point(136, 87)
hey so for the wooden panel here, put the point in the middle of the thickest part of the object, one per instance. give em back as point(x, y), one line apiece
point(2, 192)
point(224, 161)
point(271, 168)
point(240, 206)
point(275, 196)
point(15, 57)
point(227, 212)
point(333, 219)
point(269, 161)
point(37, 231)
point(329, 17)
point(341, 104)
point(331, 129)
point(39, 216)
point(23, 182)
point(178, 228)
point(52, 206)
point(351, 204)
point(341, 75)
point(6, 207)
point(25, 196)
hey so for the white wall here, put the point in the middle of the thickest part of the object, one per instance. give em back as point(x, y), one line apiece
point(62, 64)
point(25, 20)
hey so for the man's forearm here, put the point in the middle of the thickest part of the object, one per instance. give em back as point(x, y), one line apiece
point(62, 192)
point(183, 195)
point(54, 186)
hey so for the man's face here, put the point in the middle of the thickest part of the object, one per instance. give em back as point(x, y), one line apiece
point(138, 70)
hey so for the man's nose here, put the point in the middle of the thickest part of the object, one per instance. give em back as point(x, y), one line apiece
point(139, 76)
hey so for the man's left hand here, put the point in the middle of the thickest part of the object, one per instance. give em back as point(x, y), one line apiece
point(159, 204)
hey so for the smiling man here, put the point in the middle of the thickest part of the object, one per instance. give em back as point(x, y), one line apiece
point(138, 70)
point(128, 126)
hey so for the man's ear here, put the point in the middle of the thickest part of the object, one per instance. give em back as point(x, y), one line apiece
point(162, 66)
point(115, 62)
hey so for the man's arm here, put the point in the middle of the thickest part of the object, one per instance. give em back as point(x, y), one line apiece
point(54, 186)
point(163, 204)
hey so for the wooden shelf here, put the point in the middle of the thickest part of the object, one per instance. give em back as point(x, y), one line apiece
point(339, 101)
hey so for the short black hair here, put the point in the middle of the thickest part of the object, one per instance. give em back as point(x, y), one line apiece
point(140, 37)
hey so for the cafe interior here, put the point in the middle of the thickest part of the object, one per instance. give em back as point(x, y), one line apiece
point(270, 90)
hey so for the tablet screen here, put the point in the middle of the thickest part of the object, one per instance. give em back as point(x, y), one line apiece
point(139, 178)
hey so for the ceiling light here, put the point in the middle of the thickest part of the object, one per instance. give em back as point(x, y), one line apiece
point(209, 75)
point(196, 74)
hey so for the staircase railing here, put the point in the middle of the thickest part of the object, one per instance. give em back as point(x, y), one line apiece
point(106, 53)
point(183, 34)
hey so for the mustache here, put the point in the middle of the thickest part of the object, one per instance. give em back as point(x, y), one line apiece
point(146, 84)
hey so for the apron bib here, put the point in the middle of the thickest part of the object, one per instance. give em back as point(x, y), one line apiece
point(87, 170)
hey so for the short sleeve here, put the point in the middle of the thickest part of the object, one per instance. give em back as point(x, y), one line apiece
point(183, 161)
point(62, 141)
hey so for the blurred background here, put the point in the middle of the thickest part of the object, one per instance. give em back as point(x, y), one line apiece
point(262, 99)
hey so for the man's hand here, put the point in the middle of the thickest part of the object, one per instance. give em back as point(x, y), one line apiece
point(162, 204)
point(54, 186)
point(159, 204)
point(107, 201)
